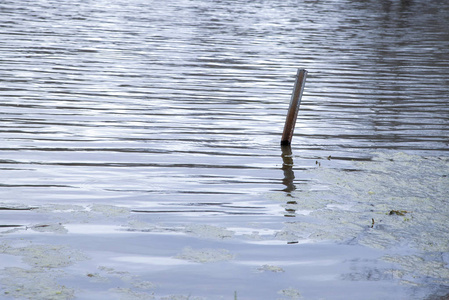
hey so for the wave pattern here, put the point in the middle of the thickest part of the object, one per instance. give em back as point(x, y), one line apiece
point(111, 99)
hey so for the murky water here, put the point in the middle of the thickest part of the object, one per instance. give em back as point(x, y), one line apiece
point(140, 153)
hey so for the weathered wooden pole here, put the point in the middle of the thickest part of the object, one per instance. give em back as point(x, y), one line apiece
point(292, 114)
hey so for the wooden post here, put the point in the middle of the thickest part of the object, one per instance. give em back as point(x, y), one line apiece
point(292, 114)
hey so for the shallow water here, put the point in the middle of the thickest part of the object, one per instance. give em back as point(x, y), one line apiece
point(140, 153)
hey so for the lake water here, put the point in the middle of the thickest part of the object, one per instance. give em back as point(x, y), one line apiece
point(140, 156)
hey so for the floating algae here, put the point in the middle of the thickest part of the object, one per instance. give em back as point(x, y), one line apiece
point(413, 265)
point(209, 231)
point(44, 256)
point(96, 277)
point(205, 255)
point(32, 284)
point(126, 285)
point(60, 208)
point(203, 231)
point(374, 206)
point(391, 202)
point(137, 225)
point(290, 293)
point(270, 268)
point(109, 210)
point(125, 277)
point(348, 209)
point(40, 280)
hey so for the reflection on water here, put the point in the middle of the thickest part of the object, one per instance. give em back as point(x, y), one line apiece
point(289, 176)
point(287, 167)
point(151, 117)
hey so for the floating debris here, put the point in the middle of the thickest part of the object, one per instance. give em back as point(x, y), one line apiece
point(398, 212)
point(109, 210)
point(52, 228)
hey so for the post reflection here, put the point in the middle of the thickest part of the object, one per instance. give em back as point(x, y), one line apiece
point(288, 181)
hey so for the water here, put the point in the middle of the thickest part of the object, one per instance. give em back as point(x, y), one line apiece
point(140, 151)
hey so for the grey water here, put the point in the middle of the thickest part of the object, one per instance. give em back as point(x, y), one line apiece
point(170, 113)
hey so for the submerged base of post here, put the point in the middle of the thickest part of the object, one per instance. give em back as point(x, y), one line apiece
point(292, 114)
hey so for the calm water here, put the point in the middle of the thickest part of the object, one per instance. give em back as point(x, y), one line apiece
point(140, 157)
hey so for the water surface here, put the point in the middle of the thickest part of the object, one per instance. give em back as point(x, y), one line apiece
point(140, 153)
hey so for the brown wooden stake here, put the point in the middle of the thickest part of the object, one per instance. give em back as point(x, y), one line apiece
point(292, 114)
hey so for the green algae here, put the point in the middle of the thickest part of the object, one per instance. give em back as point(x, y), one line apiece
point(44, 256)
